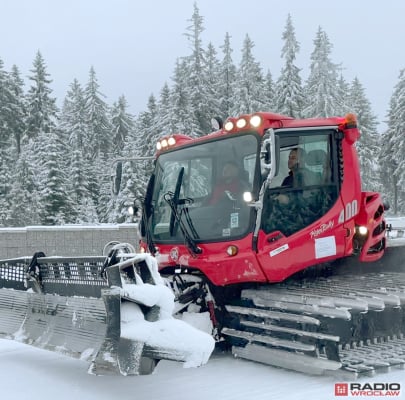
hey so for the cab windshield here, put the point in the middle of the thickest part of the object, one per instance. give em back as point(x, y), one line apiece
point(201, 189)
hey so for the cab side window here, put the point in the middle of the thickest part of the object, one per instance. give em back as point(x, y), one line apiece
point(303, 191)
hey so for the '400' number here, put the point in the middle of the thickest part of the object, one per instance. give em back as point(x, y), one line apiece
point(348, 212)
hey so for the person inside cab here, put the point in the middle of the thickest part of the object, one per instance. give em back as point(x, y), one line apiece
point(232, 183)
point(295, 162)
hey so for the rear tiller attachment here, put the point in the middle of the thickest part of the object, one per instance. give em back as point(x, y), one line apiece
point(118, 317)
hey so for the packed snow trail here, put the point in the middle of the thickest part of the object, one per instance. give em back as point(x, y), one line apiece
point(224, 377)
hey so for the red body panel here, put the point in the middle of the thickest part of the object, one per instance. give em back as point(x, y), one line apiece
point(371, 215)
point(220, 268)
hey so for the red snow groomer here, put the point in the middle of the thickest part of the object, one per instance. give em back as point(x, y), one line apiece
point(261, 228)
point(263, 225)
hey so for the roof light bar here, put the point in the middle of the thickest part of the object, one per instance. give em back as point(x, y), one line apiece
point(165, 143)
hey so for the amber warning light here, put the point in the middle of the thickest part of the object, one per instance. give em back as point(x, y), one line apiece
point(350, 120)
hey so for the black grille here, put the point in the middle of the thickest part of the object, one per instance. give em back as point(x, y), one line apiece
point(12, 272)
point(72, 276)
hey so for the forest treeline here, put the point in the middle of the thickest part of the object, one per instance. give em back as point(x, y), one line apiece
point(56, 163)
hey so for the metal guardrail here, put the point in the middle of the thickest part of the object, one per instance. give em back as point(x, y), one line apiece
point(395, 232)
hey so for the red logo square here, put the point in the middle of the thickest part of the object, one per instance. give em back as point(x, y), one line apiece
point(341, 389)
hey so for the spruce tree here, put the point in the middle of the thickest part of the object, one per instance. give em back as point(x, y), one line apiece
point(56, 206)
point(143, 138)
point(41, 106)
point(289, 98)
point(163, 115)
point(73, 118)
point(269, 95)
point(227, 78)
point(5, 146)
point(17, 107)
point(122, 123)
point(367, 146)
point(196, 82)
point(98, 138)
point(249, 82)
point(97, 118)
point(26, 198)
point(392, 155)
point(145, 128)
point(344, 90)
point(321, 93)
point(212, 77)
point(74, 127)
point(182, 114)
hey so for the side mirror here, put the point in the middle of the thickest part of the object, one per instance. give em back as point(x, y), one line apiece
point(133, 210)
point(116, 178)
point(270, 155)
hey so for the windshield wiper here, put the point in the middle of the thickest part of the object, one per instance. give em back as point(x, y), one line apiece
point(147, 213)
point(173, 201)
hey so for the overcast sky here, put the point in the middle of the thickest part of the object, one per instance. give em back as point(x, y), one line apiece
point(133, 45)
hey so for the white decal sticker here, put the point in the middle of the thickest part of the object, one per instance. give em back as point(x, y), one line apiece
point(250, 269)
point(321, 229)
point(325, 247)
point(234, 220)
point(350, 211)
point(279, 250)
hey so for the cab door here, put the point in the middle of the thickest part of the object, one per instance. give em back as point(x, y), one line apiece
point(300, 221)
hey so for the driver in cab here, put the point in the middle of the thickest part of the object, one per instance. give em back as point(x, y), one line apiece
point(295, 161)
point(230, 183)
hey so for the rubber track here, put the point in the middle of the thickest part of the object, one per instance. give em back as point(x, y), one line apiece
point(349, 323)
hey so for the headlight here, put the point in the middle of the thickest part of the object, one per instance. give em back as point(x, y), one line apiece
point(247, 197)
point(362, 230)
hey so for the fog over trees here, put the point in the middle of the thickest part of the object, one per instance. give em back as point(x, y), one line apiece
point(55, 164)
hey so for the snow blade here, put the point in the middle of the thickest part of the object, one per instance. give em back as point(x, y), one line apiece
point(116, 353)
point(88, 309)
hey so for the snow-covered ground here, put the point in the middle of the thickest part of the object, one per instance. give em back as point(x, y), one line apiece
point(30, 373)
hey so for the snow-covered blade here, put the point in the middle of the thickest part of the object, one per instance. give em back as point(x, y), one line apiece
point(118, 317)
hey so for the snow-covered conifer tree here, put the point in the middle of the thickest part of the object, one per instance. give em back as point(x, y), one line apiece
point(97, 117)
point(249, 82)
point(289, 95)
point(321, 94)
point(227, 79)
point(367, 146)
point(41, 106)
point(182, 114)
point(122, 123)
point(392, 155)
point(17, 107)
